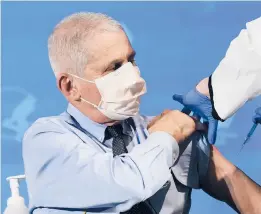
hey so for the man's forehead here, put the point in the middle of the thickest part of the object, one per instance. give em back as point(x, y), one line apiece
point(109, 46)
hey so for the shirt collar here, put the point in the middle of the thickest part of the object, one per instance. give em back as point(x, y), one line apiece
point(97, 129)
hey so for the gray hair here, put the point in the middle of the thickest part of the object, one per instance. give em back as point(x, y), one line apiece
point(68, 41)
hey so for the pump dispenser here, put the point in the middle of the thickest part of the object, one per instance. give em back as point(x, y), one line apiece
point(15, 204)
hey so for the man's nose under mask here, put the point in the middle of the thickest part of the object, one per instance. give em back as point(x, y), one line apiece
point(120, 92)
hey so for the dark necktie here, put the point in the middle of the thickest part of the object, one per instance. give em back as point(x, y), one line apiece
point(119, 147)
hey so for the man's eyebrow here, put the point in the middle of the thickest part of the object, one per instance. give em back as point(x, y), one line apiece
point(113, 62)
point(132, 55)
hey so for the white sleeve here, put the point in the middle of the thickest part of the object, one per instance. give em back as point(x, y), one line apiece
point(237, 78)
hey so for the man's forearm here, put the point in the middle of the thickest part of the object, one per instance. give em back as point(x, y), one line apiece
point(227, 183)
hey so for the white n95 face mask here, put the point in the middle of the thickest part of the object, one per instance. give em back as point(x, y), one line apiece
point(120, 92)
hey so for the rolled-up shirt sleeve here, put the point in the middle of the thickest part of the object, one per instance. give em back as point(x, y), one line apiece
point(64, 172)
point(237, 78)
point(192, 165)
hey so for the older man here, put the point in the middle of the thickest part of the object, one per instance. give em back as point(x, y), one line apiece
point(101, 156)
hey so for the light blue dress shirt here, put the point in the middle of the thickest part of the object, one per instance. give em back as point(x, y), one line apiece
point(70, 168)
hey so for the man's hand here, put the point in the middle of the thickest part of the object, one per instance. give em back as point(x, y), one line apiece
point(257, 117)
point(198, 101)
point(176, 123)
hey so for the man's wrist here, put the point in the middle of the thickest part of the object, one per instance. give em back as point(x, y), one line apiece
point(202, 87)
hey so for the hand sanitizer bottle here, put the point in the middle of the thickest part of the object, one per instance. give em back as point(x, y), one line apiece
point(15, 204)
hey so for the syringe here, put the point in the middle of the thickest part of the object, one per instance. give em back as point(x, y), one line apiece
point(250, 133)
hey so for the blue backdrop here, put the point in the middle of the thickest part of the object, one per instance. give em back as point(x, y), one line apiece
point(178, 43)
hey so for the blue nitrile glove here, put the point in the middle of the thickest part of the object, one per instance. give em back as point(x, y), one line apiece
point(200, 105)
point(257, 117)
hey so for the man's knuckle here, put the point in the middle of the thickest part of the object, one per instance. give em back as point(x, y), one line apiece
point(166, 111)
point(176, 112)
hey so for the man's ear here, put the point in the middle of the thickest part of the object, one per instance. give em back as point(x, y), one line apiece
point(67, 86)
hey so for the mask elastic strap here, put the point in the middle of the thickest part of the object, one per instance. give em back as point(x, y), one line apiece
point(95, 106)
point(81, 78)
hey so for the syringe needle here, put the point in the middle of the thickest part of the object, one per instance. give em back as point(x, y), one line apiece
point(251, 132)
point(242, 147)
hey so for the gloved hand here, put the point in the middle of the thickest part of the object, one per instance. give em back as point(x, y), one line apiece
point(200, 105)
point(257, 117)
